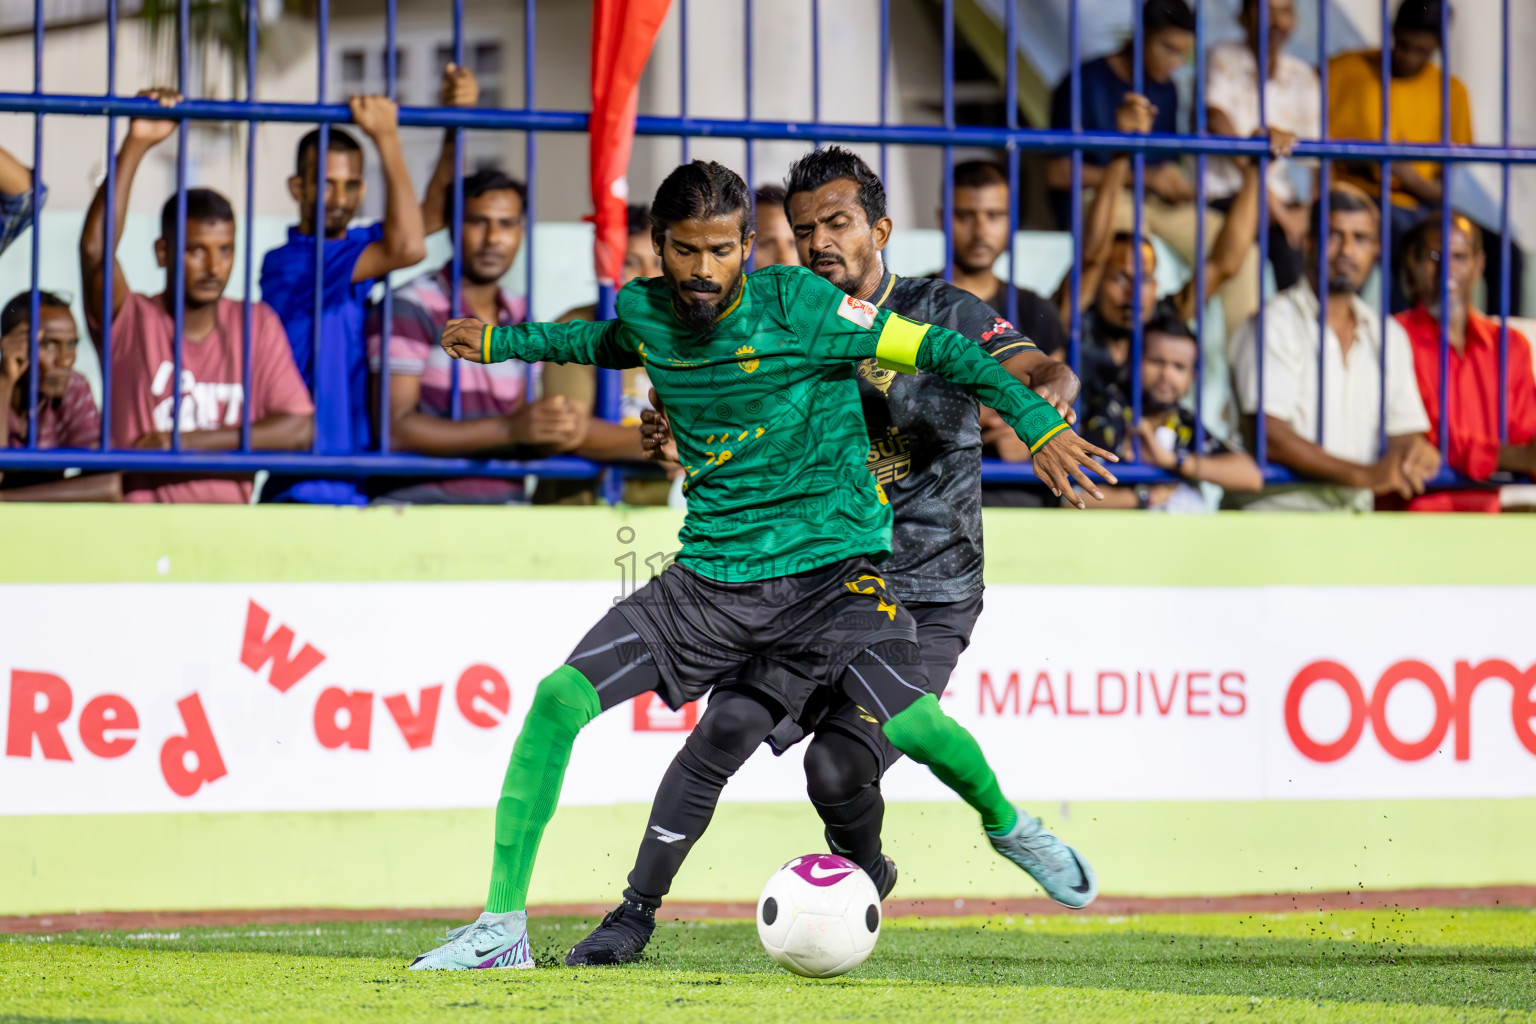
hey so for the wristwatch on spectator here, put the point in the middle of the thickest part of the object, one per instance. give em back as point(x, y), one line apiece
point(1143, 497)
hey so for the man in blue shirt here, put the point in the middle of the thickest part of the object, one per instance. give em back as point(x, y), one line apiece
point(336, 370)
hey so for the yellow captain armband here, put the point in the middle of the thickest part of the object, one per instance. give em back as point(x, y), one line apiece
point(1058, 428)
point(898, 344)
point(485, 344)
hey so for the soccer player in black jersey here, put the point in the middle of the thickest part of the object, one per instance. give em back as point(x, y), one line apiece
point(925, 449)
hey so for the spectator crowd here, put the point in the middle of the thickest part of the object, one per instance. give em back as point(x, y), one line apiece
point(1353, 411)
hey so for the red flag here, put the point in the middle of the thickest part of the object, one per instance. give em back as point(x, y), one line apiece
point(623, 32)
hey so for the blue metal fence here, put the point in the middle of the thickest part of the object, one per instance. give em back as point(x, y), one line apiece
point(531, 120)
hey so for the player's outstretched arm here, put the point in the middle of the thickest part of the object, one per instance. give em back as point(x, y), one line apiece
point(1059, 455)
point(590, 344)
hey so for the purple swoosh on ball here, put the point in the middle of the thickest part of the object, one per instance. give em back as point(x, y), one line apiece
point(822, 868)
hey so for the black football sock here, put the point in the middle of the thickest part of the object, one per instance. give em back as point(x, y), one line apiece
point(840, 776)
point(732, 727)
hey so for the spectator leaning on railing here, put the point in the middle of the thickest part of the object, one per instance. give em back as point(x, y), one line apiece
point(1348, 465)
point(16, 213)
point(66, 412)
point(1169, 211)
point(496, 414)
point(1108, 283)
point(1473, 395)
point(355, 259)
point(607, 441)
point(775, 241)
point(143, 333)
point(1166, 429)
point(1292, 98)
point(979, 224)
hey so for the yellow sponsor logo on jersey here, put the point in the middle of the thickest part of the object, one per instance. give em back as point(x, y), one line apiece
point(744, 358)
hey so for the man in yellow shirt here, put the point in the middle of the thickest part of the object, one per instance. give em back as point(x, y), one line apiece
point(1354, 112)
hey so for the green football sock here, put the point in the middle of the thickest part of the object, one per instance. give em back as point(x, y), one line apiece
point(565, 702)
point(928, 736)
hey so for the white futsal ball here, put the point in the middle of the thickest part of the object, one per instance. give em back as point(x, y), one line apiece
point(819, 916)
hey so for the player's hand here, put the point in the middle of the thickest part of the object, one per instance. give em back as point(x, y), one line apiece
point(656, 439)
point(1062, 460)
point(462, 339)
point(152, 131)
point(375, 115)
point(460, 88)
point(554, 422)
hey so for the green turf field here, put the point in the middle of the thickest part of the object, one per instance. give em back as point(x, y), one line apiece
point(1390, 965)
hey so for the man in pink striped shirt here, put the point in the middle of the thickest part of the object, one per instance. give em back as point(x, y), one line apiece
point(497, 416)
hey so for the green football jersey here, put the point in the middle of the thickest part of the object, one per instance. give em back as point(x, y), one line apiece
point(766, 411)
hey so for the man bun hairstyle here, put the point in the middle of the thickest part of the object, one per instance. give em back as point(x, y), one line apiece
point(831, 163)
point(203, 204)
point(701, 190)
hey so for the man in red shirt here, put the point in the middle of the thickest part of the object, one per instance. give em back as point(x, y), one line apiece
point(66, 412)
point(1473, 393)
point(212, 385)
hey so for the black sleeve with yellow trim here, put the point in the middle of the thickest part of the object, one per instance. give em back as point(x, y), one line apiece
point(906, 346)
point(599, 343)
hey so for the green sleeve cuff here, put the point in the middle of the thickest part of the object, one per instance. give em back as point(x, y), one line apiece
point(1058, 428)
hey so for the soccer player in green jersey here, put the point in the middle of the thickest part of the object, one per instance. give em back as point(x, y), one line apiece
point(784, 527)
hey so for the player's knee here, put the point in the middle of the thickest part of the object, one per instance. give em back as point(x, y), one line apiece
point(837, 772)
point(736, 724)
point(565, 700)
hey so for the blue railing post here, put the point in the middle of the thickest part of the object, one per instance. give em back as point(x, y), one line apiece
point(947, 177)
point(179, 250)
point(1011, 91)
point(1322, 199)
point(34, 304)
point(1138, 201)
point(108, 278)
point(1199, 274)
point(251, 14)
point(322, 156)
point(456, 226)
point(387, 307)
point(1385, 200)
point(1504, 238)
point(1075, 102)
point(1445, 237)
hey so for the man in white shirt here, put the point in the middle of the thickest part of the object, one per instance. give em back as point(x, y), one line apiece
point(1339, 443)
point(1292, 101)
